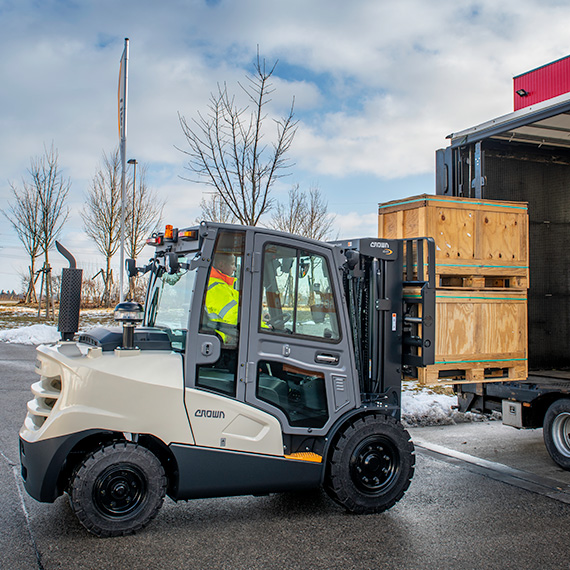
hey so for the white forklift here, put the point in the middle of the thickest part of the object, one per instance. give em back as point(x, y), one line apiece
point(299, 389)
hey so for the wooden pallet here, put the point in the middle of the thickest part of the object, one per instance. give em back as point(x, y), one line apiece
point(477, 282)
point(473, 372)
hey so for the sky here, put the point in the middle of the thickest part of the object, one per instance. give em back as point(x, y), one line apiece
point(377, 85)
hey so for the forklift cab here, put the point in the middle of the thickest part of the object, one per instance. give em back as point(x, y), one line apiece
point(270, 334)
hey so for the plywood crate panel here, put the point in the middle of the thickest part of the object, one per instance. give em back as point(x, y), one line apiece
point(481, 336)
point(479, 243)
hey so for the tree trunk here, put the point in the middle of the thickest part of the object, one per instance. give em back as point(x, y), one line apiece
point(108, 278)
point(31, 296)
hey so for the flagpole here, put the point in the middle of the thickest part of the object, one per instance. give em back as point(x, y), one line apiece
point(123, 91)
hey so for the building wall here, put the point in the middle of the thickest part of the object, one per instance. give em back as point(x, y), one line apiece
point(542, 83)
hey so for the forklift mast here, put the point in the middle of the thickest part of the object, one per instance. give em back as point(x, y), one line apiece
point(389, 286)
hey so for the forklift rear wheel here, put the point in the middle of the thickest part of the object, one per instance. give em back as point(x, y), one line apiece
point(371, 465)
point(118, 489)
point(556, 432)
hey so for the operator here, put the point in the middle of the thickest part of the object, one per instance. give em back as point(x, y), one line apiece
point(222, 299)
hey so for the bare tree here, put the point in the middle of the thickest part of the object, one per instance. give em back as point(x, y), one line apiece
point(23, 215)
point(143, 216)
point(102, 215)
point(214, 209)
point(49, 190)
point(305, 214)
point(318, 222)
point(227, 150)
point(290, 217)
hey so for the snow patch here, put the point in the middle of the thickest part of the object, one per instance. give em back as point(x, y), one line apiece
point(34, 334)
point(425, 407)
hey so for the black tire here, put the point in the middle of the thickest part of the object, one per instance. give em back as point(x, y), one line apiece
point(371, 465)
point(118, 489)
point(556, 432)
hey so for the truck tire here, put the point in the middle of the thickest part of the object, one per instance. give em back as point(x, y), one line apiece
point(118, 489)
point(556, 432)
point(371, 465)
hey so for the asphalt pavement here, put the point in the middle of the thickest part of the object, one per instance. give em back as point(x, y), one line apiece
point(456, 515)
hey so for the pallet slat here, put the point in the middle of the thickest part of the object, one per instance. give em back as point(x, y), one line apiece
point(485, 372)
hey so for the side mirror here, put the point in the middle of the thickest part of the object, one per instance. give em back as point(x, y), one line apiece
point(131, 267)
point(172, 264)
point(287, 264)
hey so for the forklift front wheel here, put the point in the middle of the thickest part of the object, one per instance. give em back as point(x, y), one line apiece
point(556, 432)
point(371, 465)
point(118, 489)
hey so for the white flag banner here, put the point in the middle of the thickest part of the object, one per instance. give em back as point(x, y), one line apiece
point(122, 94)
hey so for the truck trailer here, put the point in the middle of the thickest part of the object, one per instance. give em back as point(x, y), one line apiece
point(525, 156)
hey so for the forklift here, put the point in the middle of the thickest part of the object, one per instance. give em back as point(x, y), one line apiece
point(300, 389)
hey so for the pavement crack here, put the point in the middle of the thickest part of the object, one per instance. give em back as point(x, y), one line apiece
point(14, 467)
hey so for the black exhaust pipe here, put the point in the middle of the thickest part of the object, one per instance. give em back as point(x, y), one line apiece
point(69, 296)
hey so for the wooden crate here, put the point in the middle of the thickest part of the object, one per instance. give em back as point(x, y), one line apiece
point(481, 336)
point(479, 243)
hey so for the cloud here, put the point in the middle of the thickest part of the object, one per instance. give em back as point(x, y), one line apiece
point(377, 85)
point(353, 225)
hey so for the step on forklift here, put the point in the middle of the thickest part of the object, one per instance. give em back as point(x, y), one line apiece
point(263, 362)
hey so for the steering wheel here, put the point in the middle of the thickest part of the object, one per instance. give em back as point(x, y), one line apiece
point(278, 323)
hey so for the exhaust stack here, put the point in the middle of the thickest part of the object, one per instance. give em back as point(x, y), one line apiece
point(69, 297)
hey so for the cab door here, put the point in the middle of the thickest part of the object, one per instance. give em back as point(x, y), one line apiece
point(299, 363)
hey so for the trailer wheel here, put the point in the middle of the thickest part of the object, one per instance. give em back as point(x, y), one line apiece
point(556, 432)
point(118, 489)
point(371, 465)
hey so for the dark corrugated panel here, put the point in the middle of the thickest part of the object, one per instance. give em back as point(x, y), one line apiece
point(545, 185)
point(543, 83)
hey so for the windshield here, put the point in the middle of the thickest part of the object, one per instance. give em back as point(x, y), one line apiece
point(169, 302)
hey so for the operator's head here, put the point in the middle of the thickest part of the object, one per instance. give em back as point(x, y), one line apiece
point(225, 262)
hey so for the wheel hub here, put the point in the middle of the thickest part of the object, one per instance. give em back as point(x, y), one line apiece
point(374, 465)
point(119, 490)
point(561, 433)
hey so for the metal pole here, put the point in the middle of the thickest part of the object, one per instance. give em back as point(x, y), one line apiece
point(134, 162)
point(133, 245)
point(124, 171)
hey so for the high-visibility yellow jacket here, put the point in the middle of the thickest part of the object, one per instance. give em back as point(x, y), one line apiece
point(222, 300)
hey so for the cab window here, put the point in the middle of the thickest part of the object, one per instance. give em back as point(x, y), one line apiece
point(299, 393)
point(221, 310)
point(297, 295)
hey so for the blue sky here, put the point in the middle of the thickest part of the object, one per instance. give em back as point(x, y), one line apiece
point(377, 86)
